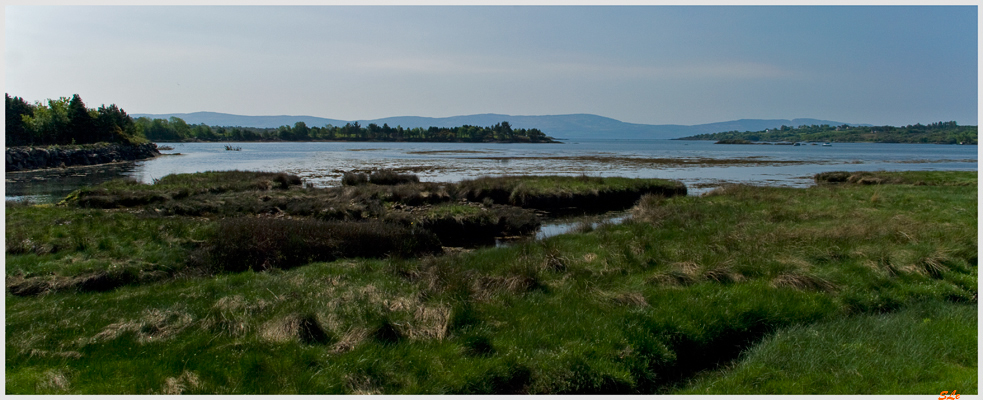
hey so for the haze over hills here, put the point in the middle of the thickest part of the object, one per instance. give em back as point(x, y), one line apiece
point(568, 126)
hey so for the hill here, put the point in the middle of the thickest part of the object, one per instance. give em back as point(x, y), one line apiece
point(568, 126)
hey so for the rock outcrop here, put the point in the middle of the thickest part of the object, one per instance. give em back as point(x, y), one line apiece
point(28, 158)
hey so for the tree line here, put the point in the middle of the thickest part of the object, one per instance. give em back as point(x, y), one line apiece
point(176, 130)
point(66, 121)
point(939, 132)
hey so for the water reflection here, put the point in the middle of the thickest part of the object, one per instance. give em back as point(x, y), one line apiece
point(51, 185)
point(567, 225)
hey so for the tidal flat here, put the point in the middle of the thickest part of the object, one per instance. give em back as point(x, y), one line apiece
point(248, 283)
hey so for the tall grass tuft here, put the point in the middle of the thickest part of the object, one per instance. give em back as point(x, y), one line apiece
point(391, 177)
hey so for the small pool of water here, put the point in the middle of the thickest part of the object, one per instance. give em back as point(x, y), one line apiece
point(567, 225)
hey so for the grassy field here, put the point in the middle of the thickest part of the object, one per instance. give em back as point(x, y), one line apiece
point(857, 285)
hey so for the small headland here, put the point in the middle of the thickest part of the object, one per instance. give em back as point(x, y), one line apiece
point(25, 158)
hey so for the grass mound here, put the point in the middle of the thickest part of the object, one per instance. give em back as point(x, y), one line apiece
point(562, 193)
point(934, 178)
point(469, 225)
point(121, 193)
point(390, 177)
point(257, 244)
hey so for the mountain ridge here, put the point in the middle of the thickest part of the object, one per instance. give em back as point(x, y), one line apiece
point(561, 126)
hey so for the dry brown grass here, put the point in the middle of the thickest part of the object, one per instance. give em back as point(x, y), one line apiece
point(303, 328)
point(349, 340)
point(633, 299)
point(60, 354)
point(54, 380)
point(901, 262)
point(486, 287)
point(178, 385)
point(553, 260)
point(231, 315)
point(154, 325)
point(684, 273)
point(361, 384)
point(429, 323)
point(689, 272)
point(803, 281)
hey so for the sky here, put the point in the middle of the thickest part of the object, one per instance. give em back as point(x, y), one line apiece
point(881, 65)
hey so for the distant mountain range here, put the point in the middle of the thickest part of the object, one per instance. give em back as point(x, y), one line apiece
point(569, 126)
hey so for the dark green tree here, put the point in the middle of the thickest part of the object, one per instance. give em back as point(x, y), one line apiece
point(16, 132)
point(81, 125)
point(114, 126)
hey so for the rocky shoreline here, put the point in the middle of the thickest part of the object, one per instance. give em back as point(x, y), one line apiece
point(32, 158)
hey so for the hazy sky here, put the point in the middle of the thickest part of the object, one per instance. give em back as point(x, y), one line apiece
point(641, 64)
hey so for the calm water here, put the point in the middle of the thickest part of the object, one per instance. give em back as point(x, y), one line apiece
point(321, 164)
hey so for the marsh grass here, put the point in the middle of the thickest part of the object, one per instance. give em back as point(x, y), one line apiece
point(932, 345)
point(718, 293)
point(258, 244)
point(127, 192)
point(559, 193)
point(54, 248)
point(391, 177)
point(469, 224)
point(935, 178)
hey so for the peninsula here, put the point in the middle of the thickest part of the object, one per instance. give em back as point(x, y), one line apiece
point(939, 133)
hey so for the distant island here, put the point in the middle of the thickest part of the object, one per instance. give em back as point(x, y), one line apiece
point(565, 126)
point(938, 133)
point(175, 129)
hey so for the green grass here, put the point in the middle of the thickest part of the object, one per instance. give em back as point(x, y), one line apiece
point(42, 240)
point(922, 349)
point(129, 193)
point(717, 293)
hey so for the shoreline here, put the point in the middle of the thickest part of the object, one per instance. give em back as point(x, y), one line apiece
point(36, 158)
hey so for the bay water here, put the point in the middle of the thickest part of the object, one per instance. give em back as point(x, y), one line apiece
point(701, 165)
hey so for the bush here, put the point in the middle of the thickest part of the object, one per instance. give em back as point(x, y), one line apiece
point(258, 244)
point(284, 181)
point(391, 177)
point(354, 179)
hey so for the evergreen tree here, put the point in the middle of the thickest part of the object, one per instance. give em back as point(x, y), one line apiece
point(113, 125)
point(16, 132)
point(81, 126)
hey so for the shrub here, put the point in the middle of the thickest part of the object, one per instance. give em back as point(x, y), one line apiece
point(391, 177)
point(832, 177)
point(284, 181)
point(354, 179)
